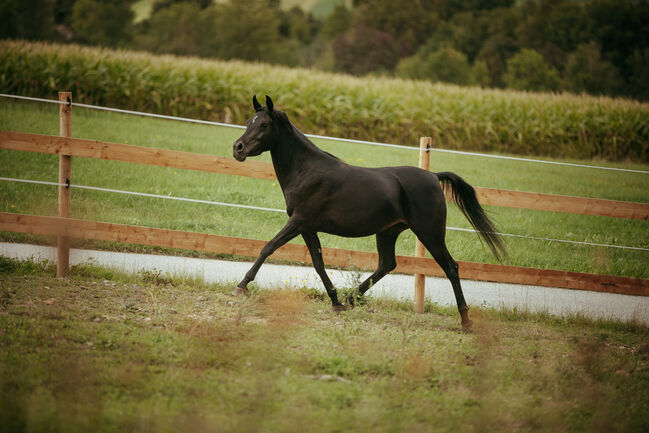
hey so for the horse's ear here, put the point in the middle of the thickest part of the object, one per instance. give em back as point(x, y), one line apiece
point(269, 103)
point(256, 103)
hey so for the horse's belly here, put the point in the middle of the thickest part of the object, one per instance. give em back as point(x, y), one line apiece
point(358, 221)
point(356, 232)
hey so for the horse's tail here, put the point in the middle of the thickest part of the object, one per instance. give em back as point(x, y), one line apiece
point(464, 197)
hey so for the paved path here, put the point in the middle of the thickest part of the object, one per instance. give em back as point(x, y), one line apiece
point(496, 295)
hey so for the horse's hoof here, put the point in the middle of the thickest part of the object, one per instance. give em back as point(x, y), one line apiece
point(467, 326)
point(240, 291)
point(338, 308)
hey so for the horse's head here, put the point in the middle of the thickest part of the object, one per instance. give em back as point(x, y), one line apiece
point(260, 132)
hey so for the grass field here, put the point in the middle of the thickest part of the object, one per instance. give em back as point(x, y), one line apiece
point(105, 352)
point(39, 118)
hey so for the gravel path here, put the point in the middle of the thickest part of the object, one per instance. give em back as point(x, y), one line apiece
point(497, 295)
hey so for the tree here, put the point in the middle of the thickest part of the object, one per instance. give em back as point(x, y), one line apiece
point(555, 28)
point(480, 73)
point(363, 50)
point(620, 28)
point(638, 65)
point(180, 28)
point(528, 70)
point(63, 11)
point(248, 30)
point(102, 22)
point(405, 20)
point(444, 64)
point(240, 29)
point(295, 24)
point(337, 23)
point(587, 72)
point(447, 8)
point(27, 19)
point(499, 41)
point(158, 5)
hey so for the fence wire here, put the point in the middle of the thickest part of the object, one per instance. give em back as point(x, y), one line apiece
point(266, 209)
point(324, 137)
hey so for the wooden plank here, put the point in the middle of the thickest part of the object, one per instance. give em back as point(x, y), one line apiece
point(563, 203)
point(136, 154)
point(299, 253)
point(262, 170)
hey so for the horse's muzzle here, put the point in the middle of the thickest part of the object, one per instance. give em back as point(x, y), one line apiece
point(238, 151)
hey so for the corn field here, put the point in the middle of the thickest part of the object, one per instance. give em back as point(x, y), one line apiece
point(371, 108)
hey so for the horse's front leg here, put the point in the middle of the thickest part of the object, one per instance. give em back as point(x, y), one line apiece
point(288, 232)
point(313, 244)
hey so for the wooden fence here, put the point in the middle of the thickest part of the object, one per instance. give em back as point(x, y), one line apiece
point(65, 227)
point(262, 170)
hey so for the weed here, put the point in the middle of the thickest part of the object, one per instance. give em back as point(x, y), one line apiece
point(90, 269)
point(26, 267)
point(155, 277)
point(314, 294)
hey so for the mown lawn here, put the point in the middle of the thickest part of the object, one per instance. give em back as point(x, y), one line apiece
point(104, 352)
point(41, 200)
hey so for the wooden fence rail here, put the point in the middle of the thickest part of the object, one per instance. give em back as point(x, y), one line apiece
point(76, 228)
point(262, 170)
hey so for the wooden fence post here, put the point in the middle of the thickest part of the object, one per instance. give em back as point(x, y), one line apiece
point(420, 250)
point(65, 168)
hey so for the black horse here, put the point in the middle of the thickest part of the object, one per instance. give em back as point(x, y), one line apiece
point(324, 194)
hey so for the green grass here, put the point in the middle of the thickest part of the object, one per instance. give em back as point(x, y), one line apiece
point(31, 199)
point(103, 351)
point(374, 108)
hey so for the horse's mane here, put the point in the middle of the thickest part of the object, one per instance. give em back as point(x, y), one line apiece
point(288, 127)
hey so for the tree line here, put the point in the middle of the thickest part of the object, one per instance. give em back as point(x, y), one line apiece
point(599, 47)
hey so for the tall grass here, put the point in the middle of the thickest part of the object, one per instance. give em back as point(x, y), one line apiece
point(374, 108)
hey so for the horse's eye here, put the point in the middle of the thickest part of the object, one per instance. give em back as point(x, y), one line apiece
point(264, 125)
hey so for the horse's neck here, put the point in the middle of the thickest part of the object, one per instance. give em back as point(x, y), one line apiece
point(292, 156)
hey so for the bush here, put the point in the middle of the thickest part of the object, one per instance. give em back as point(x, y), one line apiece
point(445, 64)
point(528, 71)
point(587, 72)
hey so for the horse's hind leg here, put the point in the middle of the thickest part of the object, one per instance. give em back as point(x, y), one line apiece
point(313, 244)
point(385, 242)
point(437, 248)
point(450, 268)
